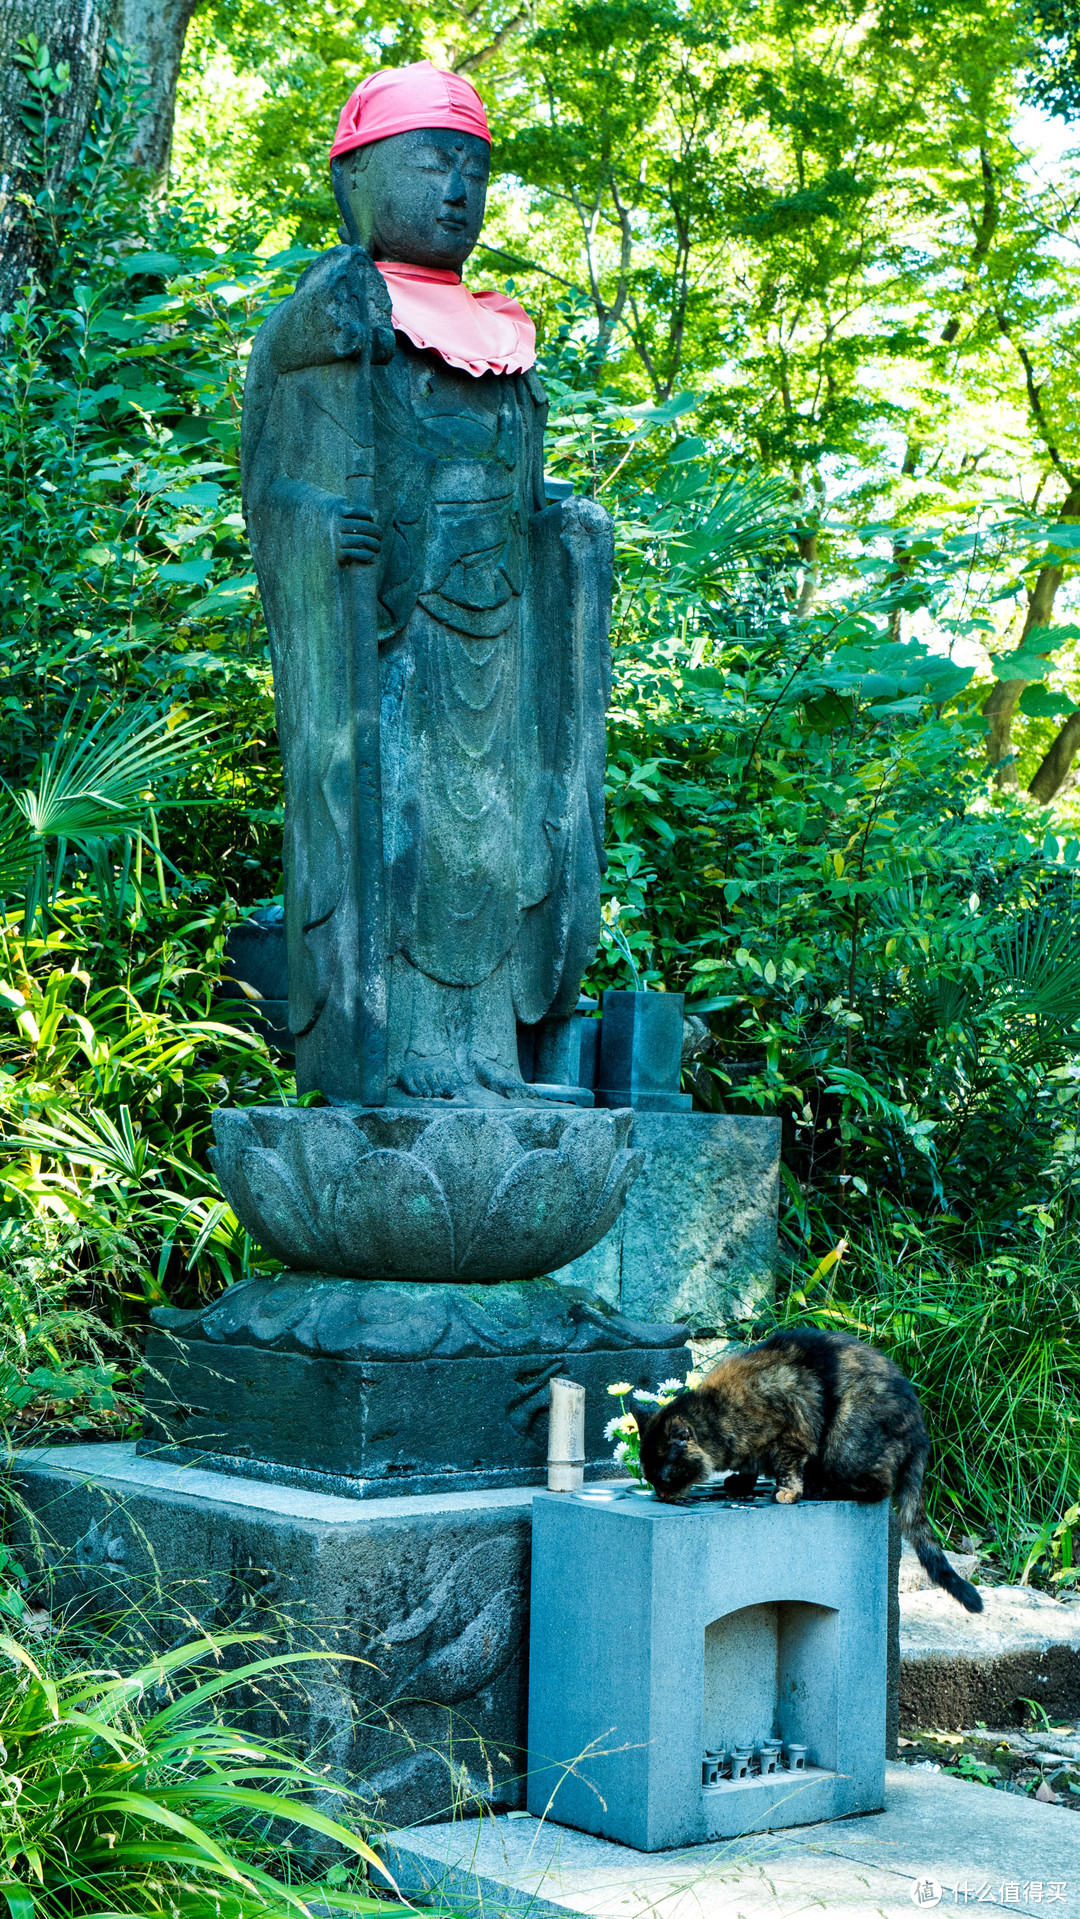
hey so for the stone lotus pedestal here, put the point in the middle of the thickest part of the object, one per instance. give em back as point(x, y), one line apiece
point(408, 1345)
point(434, 1192)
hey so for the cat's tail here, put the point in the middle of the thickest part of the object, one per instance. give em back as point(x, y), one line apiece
point(916, 1530)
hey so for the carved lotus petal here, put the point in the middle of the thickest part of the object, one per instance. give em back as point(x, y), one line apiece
point(589, 1146)
point(322, 1158)
point(390, 1212)
point(625, 1168)
point(470, 1161)
point(494, 1194)
point(528, 1219)
point(269, 1201)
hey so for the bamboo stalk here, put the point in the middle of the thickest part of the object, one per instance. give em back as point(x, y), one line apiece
point(566, 1436)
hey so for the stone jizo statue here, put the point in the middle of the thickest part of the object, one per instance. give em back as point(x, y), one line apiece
point(439, 631)
point(440, 648)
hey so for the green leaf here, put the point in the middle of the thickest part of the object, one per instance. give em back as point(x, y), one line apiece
point(20, 1901)
point(148, 399)
point(651, 417)
point(827, 714)
point(1020, 666)
point(204, 493)
point(163, 265)
point(1039, 703)
point(228, 597)
point(691, 449)
point(188, 572)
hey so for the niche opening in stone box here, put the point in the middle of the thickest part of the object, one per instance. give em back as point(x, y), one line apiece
point(770, 1673)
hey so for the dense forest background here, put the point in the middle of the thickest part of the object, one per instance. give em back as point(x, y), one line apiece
point(806, 287)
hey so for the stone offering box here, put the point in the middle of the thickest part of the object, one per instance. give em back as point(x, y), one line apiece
point(674, 1645)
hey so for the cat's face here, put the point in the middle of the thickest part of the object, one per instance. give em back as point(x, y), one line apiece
point(672, 1458)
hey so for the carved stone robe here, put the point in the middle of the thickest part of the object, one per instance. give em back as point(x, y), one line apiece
point(492, 628)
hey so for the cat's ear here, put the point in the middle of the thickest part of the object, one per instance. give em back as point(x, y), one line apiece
point(641, 1419)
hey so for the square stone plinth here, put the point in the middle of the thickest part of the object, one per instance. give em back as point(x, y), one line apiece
point(432, 1591)
point(420, 1605)
point(659, 1632)
point(367, 1429)
point(696, 1240)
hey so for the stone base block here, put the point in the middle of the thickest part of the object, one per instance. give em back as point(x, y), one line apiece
point(961, 1669)
point(620, 1097)
point(420, 1604)
point(696, 1239)
point(370, 1429)
point(660, 1634)
point(433, 1593)
point(368, 1387)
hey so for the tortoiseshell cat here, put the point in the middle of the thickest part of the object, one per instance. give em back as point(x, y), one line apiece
point(821, 1412)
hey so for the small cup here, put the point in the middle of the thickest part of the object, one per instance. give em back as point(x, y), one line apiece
point(795, 1758)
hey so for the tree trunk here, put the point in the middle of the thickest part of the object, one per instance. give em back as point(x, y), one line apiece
point(998, 712)
point(74, 31)
point(154, 31)
point(807, 544)
point(1054, 767)
point(1000, 706)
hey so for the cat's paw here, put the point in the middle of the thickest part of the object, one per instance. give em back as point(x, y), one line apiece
point(787, 1496)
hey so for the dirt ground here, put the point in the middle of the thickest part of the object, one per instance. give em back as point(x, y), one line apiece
point(1038, 1761)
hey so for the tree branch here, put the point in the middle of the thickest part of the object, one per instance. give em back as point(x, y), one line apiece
point(473, 60)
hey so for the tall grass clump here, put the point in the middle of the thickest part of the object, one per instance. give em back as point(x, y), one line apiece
point(993, 1350)
point(128, 1792)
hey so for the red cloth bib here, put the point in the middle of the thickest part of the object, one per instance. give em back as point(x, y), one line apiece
point(478, 332)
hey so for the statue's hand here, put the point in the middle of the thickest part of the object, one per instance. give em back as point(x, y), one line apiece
point(356, 536)
point(340, 307)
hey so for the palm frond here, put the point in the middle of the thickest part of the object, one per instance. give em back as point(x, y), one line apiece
point(93, 782)
point(749, 517)
point(1039, 956)
point(94, 1141)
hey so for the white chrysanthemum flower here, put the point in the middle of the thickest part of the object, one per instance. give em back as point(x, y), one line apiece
point(625, 1423)
point(651, 1399)
point(620, 1452)
point(671, 1386)
point(623, 1386)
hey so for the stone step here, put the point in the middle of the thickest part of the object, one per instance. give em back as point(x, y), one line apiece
point(914, 1580)
point(960, 1669)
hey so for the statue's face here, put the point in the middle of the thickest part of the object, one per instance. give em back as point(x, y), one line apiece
point(419, 197)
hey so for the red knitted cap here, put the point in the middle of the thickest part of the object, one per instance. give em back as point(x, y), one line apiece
point(406, 99)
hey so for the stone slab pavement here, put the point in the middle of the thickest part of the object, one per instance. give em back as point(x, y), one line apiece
point(978, 1846)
